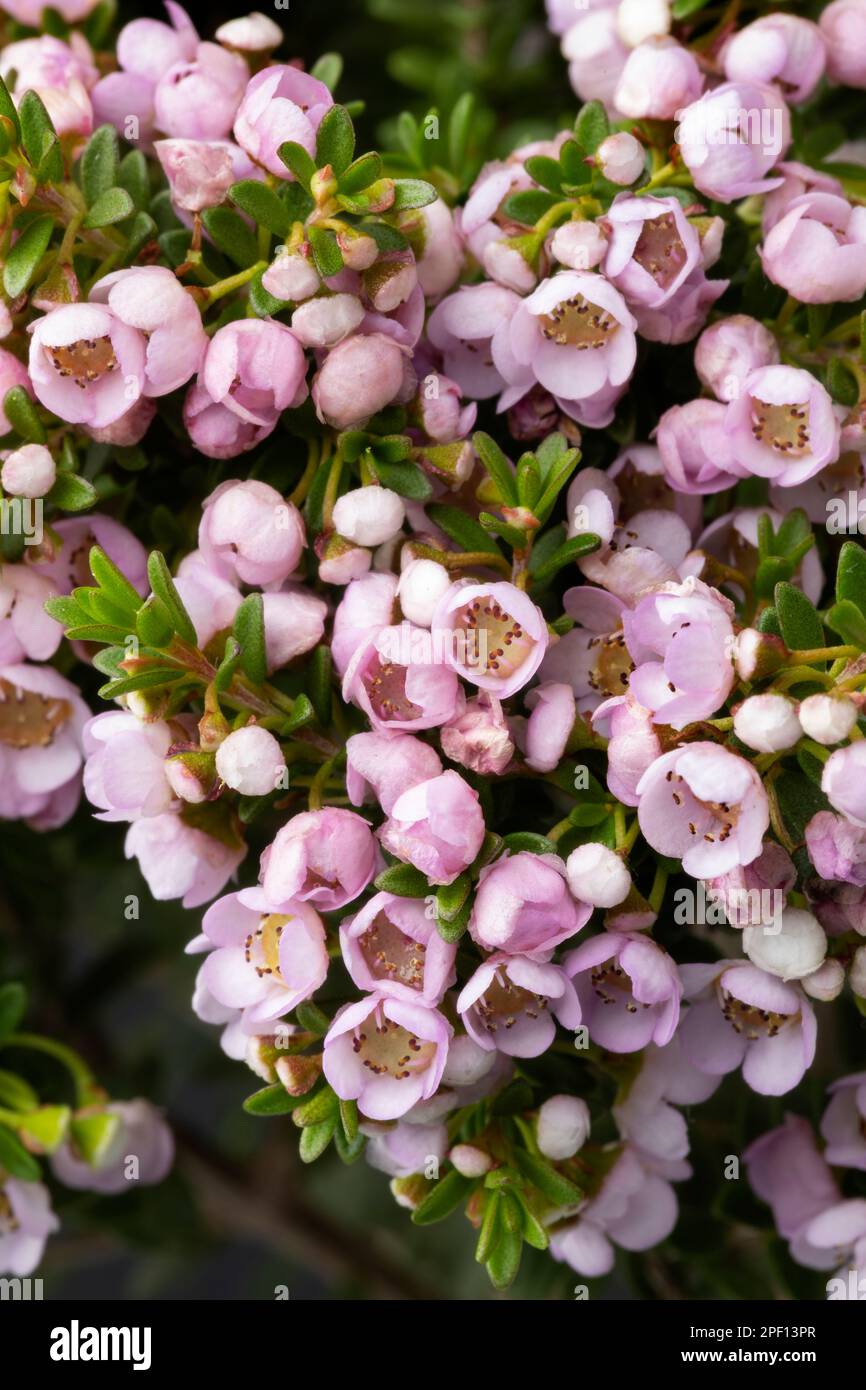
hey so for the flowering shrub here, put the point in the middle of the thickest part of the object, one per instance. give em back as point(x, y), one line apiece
point(492, 691)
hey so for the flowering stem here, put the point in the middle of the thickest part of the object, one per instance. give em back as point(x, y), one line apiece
point(233, 282)
point(810, 654)
point(304, 483)
point(331, 488)
point(553, 216)
point(657, 892)
point(630, 837)
point(87, 1091)
point(661, 176)
point(619, 829)
point(816, 749)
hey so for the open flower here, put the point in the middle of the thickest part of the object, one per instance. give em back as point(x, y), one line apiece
point(323, 857)
point(180, 860)
point(125, 773)
point(499, 635)
point(653, 248)
point(26, 1222)
point(400, 680)
point(42, 719)
point(628, 988)
point(681, 639)
point(86, 364)
point(387, 1054)
point(843, 1123)
point(512, 1003)
point(392, 946)
point(782, 426)
point(634, 1208)
point(523, 905)
point(264, 962)
point(387, 765)
point(150, 299)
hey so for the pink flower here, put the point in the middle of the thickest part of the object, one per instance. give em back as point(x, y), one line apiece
point(178, 860)
point(797, 179)
point(265, 961)
point(46, 62)
point(817, 250)
point(250, 533)
point(392, 946)
point(404, 1148)
point(786, 1170)
point(388, 1054)
point(199, 172)
point(633, 744)
point(704, 805)
point(837, 848)
point(549, 725)
point(682, 316)
point(146, 49)
point(843, 1123)
point(86, 364)
point(30, 11)
point(634, 1208)
point(592, 657)
point(42, 718)
point(731, 138)
point(463, 326)
point(366, 607)
point(294, 624)
point(125, 773)
point(198, 98)
point(523, 905)
point(29, 1223)
point(729, 350)
point(436, 825)
point(141, 1133)
point(280, 103)
point(843, 784)
point(621, 158)
point(653, 248)
point(388, 765)
point(843, 25)
point(323, 857)
point(694, 448)
point(574, 336)
point(688, 628)
point(660, 77)
point(579, 245)
point(629, 991)
point(782, 426)
point(400, 681)
point(511, 1002)
point(255, 368)
point(150, 299)
point(498, 635)
point(439, 257)
point(216, 431)
point(26, 630)
point(779, 48)
point(291, 276)
point(596, 55)
point(441, 415)
point(358, 378)
point(478, 736)
point(740, 1015)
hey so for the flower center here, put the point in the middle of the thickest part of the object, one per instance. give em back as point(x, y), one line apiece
point(749, 1019)
point(262, 947)
point(784, 427)
point(28, 719)
point(660, 251)
point(385, 684)
point(613, 666)
point(495, 642)
point(392, 955)
point(578, 323)
point(503, 1003)
point(613, 985)
point(389, 1049)
point(85, 361)
point(723, 817)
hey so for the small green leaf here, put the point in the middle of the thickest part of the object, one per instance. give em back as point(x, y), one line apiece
point(21, 413)
point(842, 383)
point(153, 624)
point(162, 585)
point(460, 129)
point(682, 9)
point(23, 260)
point(319, 683)
point(846, 619)
point(551, 1183)
point(850, 572)
point(528, 206)
point(498, 467)
point(13, 1003)
point(413, 193)
point(335, 141)
point(100, 164)
point(15, 1158)
point(40, 139)
point(361, 173)
point(228, 230)
point(149, 679)
point(261, 204)
point(113, 581)
point(349, 1119)
point(404, 880)
point(566, 555)
point(404, 478)
point(8, 108)
point(490, 1228)
point(454, 928)
point(545, 171)
point(504, 1262)
point(801, 626)
point(315, 1139)
point(592, 126)
point(249, 630)
point(328, 69)
point(72, 494)
point(526, 841)
point(227, 667)
point(16, 1093)
point(271, 1100)
point(327, 255)
point(114, 205)
point(451, 897)
point(133, 176)
point(462, 529)
point(298, 162)
point(312, 1019)
point(446, 1196)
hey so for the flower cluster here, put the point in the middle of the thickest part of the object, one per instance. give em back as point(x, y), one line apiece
point(483, 704)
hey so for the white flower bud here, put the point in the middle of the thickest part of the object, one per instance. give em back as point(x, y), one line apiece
point(563, 1126)
point(467, 1063)
point(597, 875)
point(621, 158)
point(579, 245)
point(322, 323)
point(827, 719)
point(29, 471)
point(291, 276)
point(369, 515)
point(768, 723)
point(469, 1161)
point(639, 20)
point(798, 949)
point(826, 982)
point(422, 584)
point(250, 33)
point(250, 761)
point(758, 654)
point(857, 972)
point(509, 267)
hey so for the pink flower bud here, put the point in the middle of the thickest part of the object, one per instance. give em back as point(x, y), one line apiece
point(794, 945)
point(250, 33)
point(595, 52)
point(639, 20)
point(247, 530)
point(621, 158)
point(817, 251)
point(826, 983)
point(29, 471)
point(199, 172)
point(86, 364)
point(843, 25)
point(549, 725)
point(197, 99)
point(478, 737)
point(359, 251)
point(250, 761)
point(780, 48)
point(256, 368)
point(324, 322)
point(280, 103)
point(579, 245)
point(294, 624)
point(563, 1127)
point(439, 260)
point(359, 377)
point(438, 826)
point(217, 432)
point(341, 561)
point(369, 515)
point(729, 349)
point(732, 137)
point(190, 776)
point(150, 299)
point(470, 1161)
point(130, 428)
point(660, 78)
point(442, 416)
point(597, 875)
point(758, 654)
point(291, 276)
point(827, 719)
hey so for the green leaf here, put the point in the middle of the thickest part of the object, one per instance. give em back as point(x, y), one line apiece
point(299, 163)
point(349, 1119)
point(520, 841)
point(153, 624)
point(497, 466)
point(261, 204)
point(8, 107)
point(264, 304)
point(817, 317)
point(405, 478)
point(327, 255)
point(149, 679)
point(572, 157)
point(360, 174)
point(21, 414)
point(15, 1158)
point(566, 554)
point(451, 897)
point(302, 713)
point(13, 1003)
point(315, 1139)
point(801, 626)
point(227, 667)
point(271, 1100)
point(504, 1262)
point(545, 171)
point(133, 176)
point(318, 1105)
point(319, 683)
point(23, 260)
point(848, 621)
point(141, 230)
point(453, 929)
point(313, 1019)
point(682, 9)
point(228, 230)
point(412, 193)
point(462, 529)
point(114, 205)
point(528, 206)
point(328, 69)
point(335, 141)
point(592, 126)
point(16, 1093)
point(249, 631)
point(842, 383)
point(72, 494)
point(794, 529)
point(66, 611)
point(40, 139)
point(446, 1196)
point(850, 572)
point(460, 129)
point(490, 1231)
point(404, 880)
point(162, 585)
point(549, 1181)
point(114, 583)
point(100, 164)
